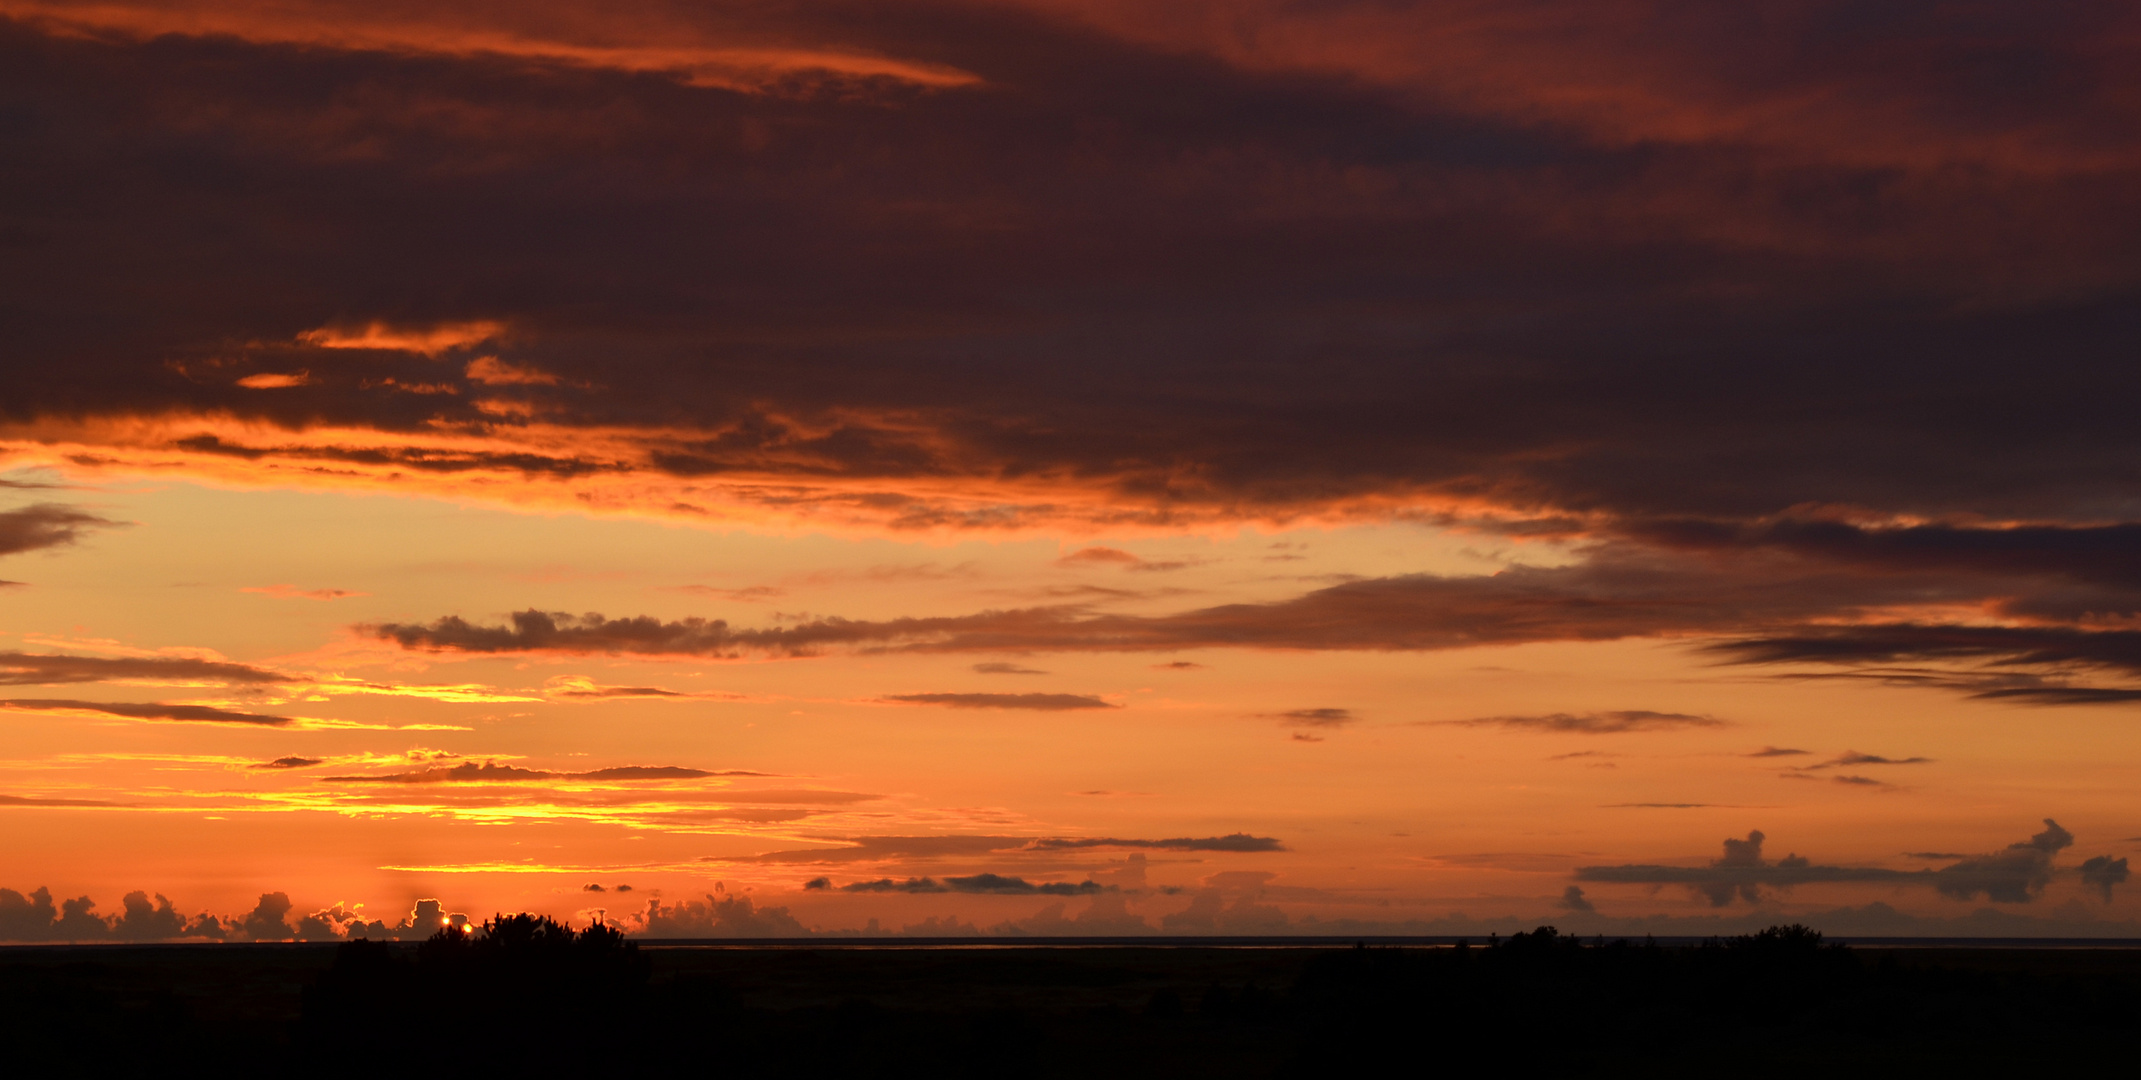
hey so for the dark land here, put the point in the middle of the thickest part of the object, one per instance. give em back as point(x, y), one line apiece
point(530, 997)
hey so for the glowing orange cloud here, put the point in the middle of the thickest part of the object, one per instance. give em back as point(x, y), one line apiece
point(659, 49)
point(428, 340)
point(547, 466)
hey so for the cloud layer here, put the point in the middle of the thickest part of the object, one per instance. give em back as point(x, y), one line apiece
point(2016, 874)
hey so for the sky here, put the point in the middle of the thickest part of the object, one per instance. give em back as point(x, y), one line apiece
point(1066, 467)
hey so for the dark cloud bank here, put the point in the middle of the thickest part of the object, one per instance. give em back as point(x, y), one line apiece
point(1780, 364)
point(1325, 283)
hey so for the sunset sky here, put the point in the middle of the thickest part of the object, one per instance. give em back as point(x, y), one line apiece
point(1070, 466)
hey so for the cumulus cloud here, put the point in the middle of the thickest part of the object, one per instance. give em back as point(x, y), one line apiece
point(1574, 902)
point(1741, 872)
point(2101, 873)
point(721, 914)
point(36, 917)
point(1209, 913)
point(2014, 875)
point(1597, 723)
point(291, 762)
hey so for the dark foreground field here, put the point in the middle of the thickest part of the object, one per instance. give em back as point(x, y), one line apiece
point(537, 1001)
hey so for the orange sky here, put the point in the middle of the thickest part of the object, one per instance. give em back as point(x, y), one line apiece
point(1069, 469)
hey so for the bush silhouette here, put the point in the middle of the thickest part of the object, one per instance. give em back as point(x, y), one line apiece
point(536, 990)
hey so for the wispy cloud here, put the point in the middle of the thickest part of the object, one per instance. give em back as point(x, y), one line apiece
point(193, 714)
point(46, 525)
point(1324, 717)
point(1037, 702)
point(292, 592)
point(1618, 722)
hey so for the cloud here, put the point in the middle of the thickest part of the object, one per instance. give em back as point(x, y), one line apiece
point(1742, 872)
point(1777, 751)
point(2014, 875)
point(1847, 780)
point(465, 773)
point(2102, 872)
point(657, 772)
point(427, 340)
point(287, 763)
point(29, 800)
point(180, 713)
point(999, 667)
point(890, 848)
point(749, 595)
point(1406, 613)
point(491, 772)
point(1573, 901)
point(292, 592)
point(1041, 702)
point(43, 669)
point(581, 688)
point(491, 371)
point(276, 380)
point(44, 525)
point(1617, 593)
point(1107, 556)
point(1872, 649)
point(1237, 842)
point(987, 884)
point(1208, 913)
point(140, 920)
point(268, 921)
point(1853, 757)
point(1598, 723)
point(1314, 718)
point(1102, 556)
point(720, 915)
point(1645, 157)
point(944, 343)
